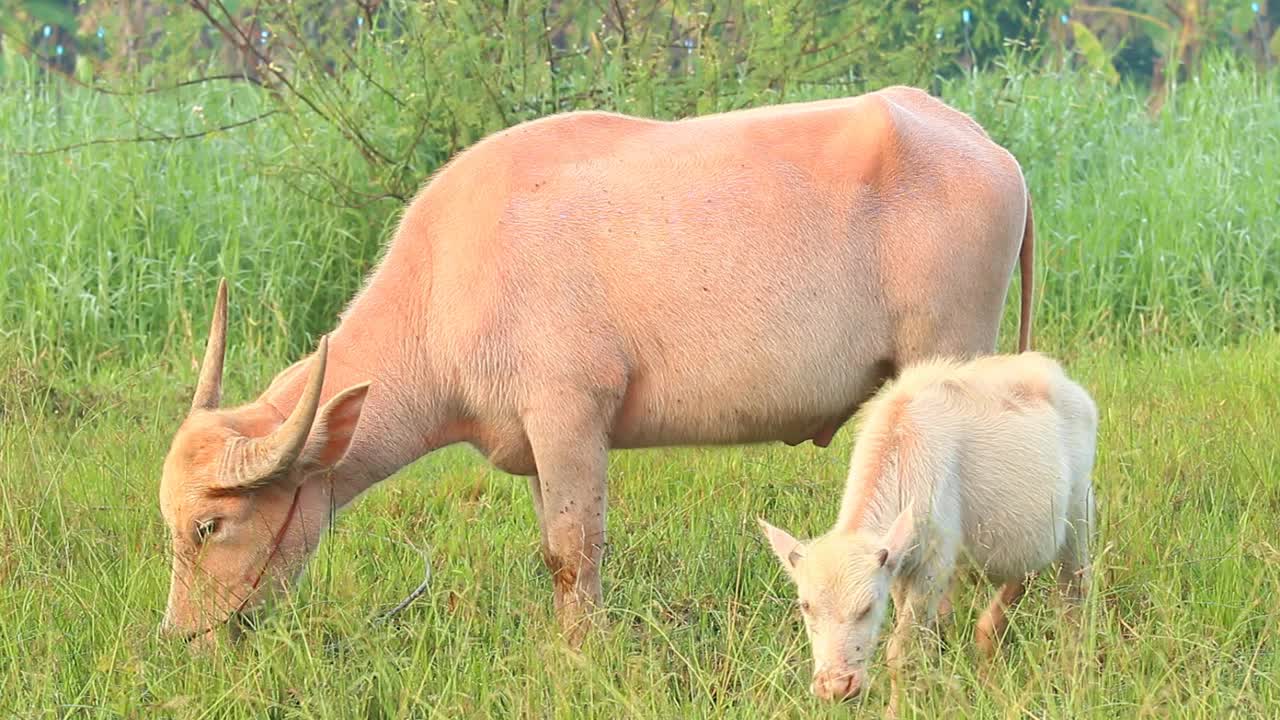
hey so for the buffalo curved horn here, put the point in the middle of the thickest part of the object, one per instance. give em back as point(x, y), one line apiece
point(263, 459)
point(209, 387)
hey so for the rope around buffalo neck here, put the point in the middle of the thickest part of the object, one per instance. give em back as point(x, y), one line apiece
point(279, 539)
point(275, 546)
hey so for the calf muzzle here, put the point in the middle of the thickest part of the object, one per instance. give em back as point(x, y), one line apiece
point(836, 686)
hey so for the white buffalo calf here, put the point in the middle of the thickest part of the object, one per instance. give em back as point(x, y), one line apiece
point(987, 462)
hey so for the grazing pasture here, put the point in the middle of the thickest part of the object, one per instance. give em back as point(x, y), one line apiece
point(1157, 286)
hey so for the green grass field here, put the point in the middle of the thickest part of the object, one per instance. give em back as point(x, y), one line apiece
point(1183, 622)
point(1158, 287)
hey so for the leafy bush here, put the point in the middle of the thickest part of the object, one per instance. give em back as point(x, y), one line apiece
point(290, 182)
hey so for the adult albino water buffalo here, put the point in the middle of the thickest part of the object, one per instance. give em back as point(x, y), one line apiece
point(590, 281)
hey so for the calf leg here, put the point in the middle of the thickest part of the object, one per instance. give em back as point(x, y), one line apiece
point(1073, 561)
point(904, 612)
point(1073, 575)
point(945, 612)
point(994, 622)
point(1074, 580)
point(916, 601)
point(571, 452)
point(944, 605)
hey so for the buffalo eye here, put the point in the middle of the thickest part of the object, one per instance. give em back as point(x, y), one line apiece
point(864, 612)
point(804, 606)
point(206, 528)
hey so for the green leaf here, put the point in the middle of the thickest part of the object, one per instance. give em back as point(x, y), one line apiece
point(84, 69)
point(52, 13)
point(1094, 54)
point(1241, 17)
point(8, 56)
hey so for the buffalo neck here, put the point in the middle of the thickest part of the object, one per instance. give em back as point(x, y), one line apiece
point(374, 343)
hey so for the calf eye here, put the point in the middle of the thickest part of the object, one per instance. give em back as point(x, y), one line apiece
point(206, 528)
point(864, 612)
point(804, 606)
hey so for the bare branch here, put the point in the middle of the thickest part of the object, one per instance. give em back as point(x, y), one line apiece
point(369, 78)
point(147, 138)
point(371, 153)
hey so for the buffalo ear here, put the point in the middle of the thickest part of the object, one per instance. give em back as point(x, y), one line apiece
point(334, 428)
point(788, 549)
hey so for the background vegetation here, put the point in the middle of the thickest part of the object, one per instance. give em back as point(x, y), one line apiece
point(275, 143)
point(167, 145)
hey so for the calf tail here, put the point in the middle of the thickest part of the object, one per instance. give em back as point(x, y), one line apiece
point(1026, 266)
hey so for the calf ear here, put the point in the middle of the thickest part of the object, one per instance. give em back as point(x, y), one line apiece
point(334, 428)
point(895, 542)
point(788, 549)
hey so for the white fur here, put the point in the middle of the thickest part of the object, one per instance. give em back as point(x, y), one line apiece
point(986, 462)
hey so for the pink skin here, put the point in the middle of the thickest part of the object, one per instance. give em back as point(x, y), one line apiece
point(591, 281)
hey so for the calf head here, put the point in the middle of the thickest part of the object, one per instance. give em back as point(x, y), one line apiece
point(842, 584)
point(234, 493)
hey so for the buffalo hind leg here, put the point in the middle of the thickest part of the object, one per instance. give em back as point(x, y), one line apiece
point(571, 453)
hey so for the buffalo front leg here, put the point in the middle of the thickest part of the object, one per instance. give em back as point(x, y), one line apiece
point(572, 461)
point(535, 492)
